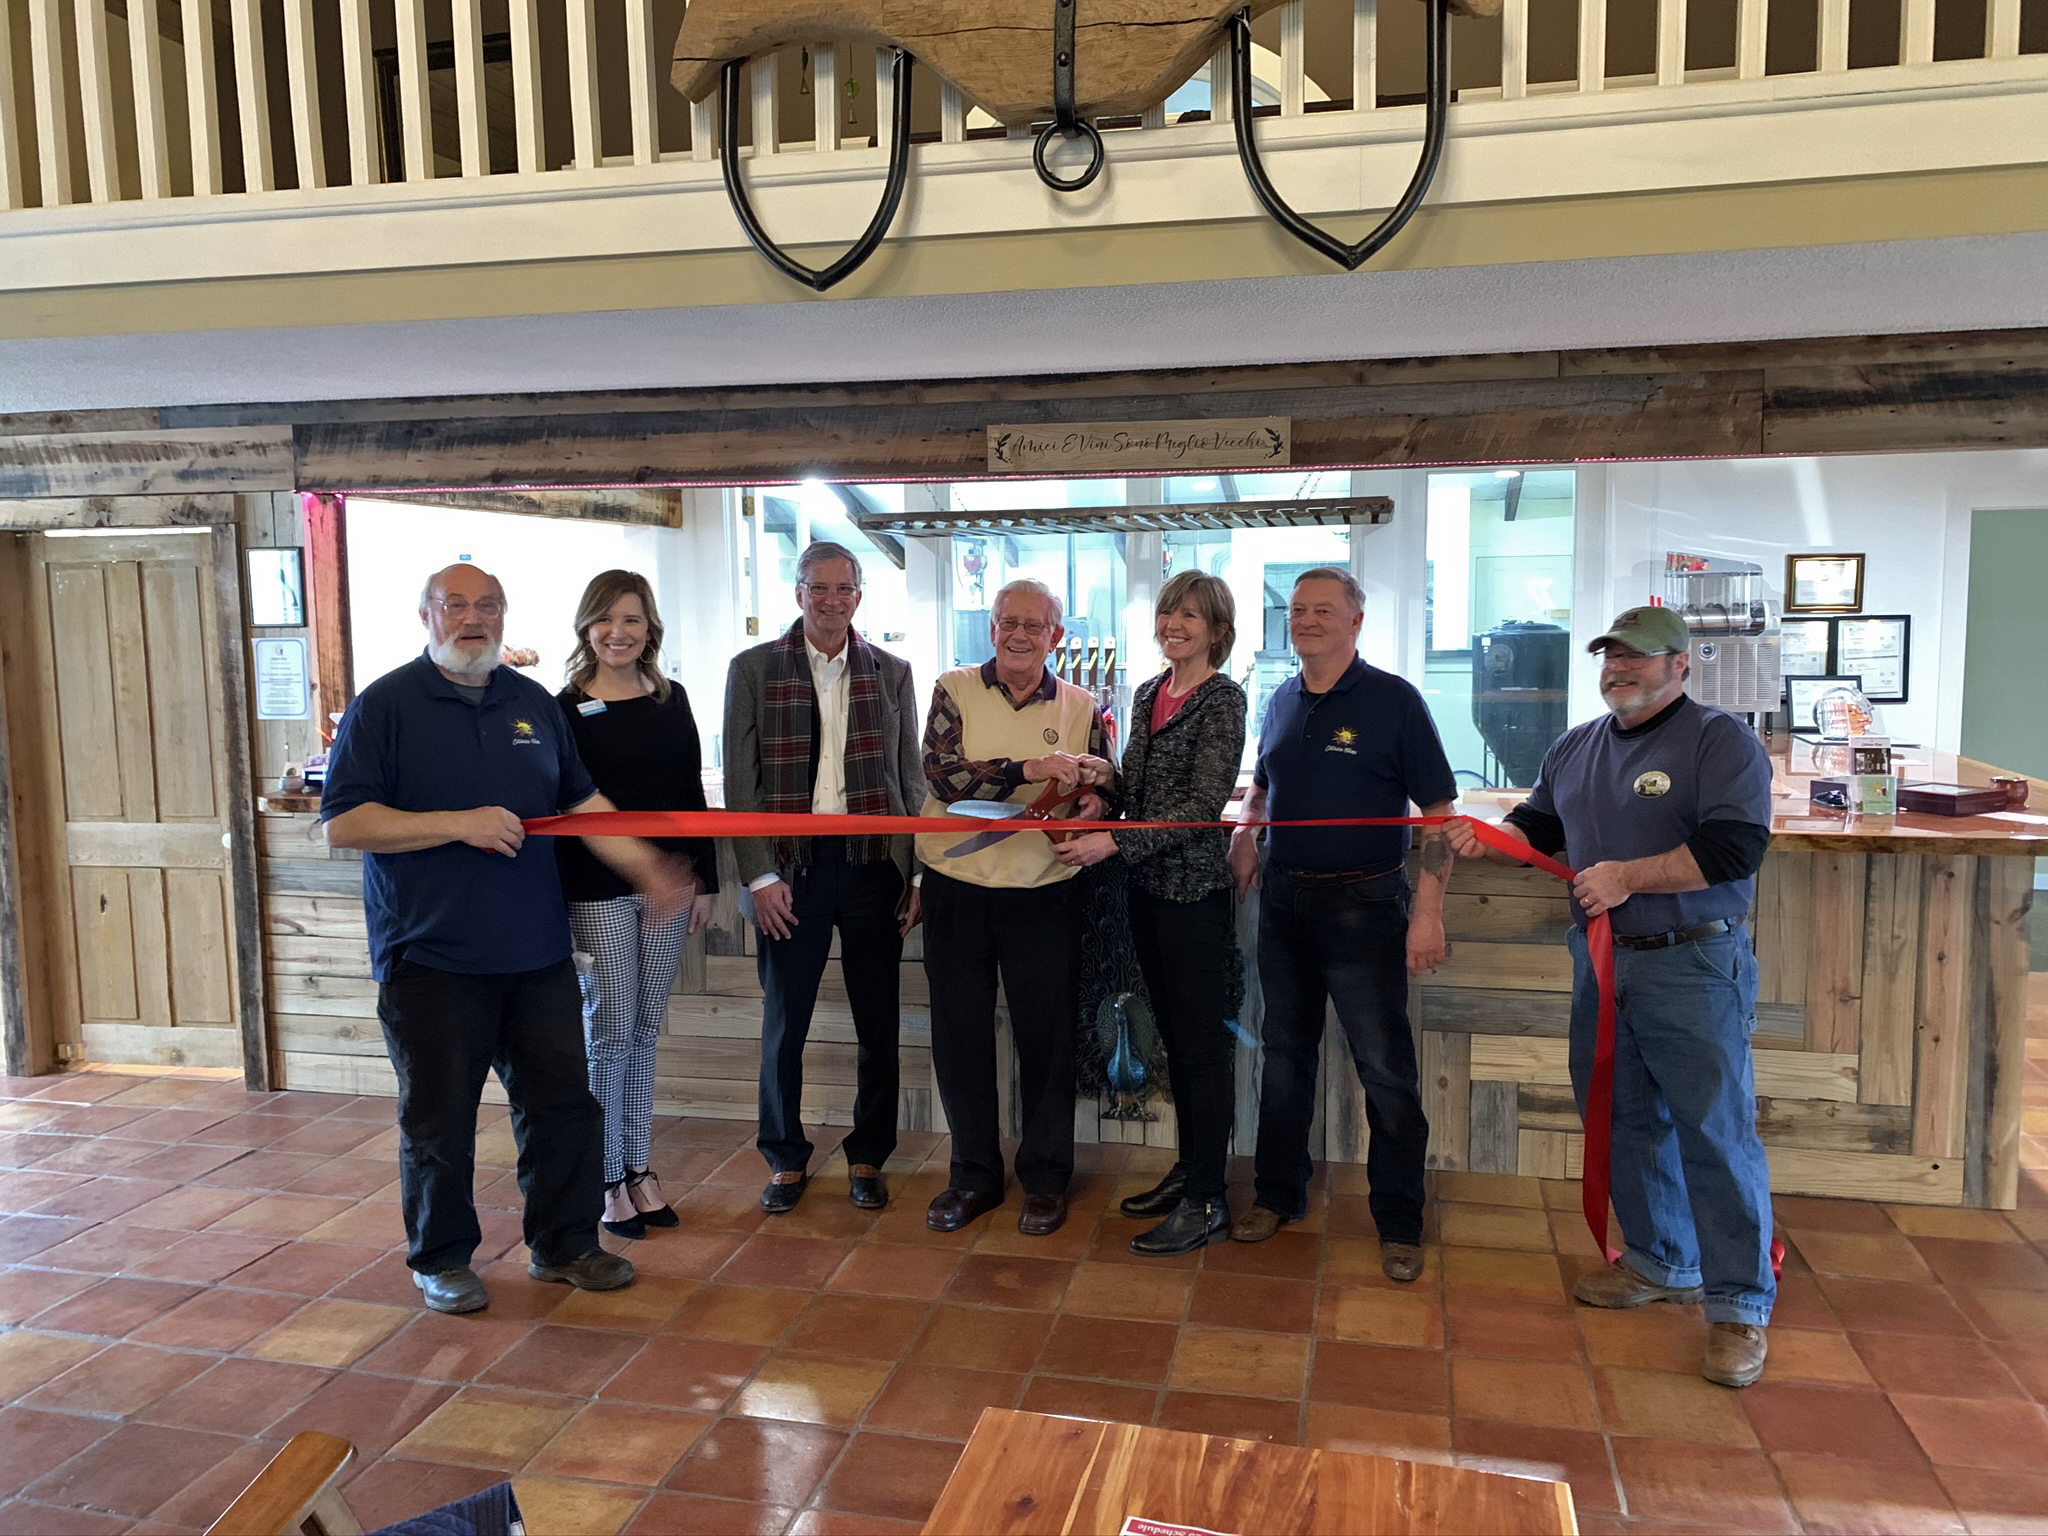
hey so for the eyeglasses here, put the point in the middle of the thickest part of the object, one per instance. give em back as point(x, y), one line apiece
point(838, 589)
point(1620, 657)
point(1032, 627)
point(459, 607)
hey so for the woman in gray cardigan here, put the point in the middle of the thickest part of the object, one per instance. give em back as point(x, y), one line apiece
point(1187, 741)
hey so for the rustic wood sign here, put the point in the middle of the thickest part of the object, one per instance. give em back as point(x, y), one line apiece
point(1128, 54)
point(1140, 447)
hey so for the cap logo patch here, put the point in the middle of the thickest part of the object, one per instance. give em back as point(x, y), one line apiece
point(1652, 784)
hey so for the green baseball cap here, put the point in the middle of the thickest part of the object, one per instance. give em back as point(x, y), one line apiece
point(1650, 631)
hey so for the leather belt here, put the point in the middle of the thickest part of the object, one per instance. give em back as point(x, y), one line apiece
point(1341, 876)
point(1666, 940)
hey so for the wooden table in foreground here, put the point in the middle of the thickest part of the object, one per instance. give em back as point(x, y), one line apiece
point(1027, 1473)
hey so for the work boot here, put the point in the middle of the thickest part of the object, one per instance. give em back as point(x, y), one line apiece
point(1620, 1287)
point(453, 1290)
point(1258, 1224)
point(1401, 1261)
point(1735, 1354)
point(593, 1271)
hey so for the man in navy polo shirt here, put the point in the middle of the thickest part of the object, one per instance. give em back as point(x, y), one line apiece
point(434, 768)
point(1665, 811)
point(1336, 920)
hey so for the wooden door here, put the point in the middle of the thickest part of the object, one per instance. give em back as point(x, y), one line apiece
point(133, 656)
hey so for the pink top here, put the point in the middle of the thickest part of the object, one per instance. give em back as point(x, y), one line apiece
point(1165, 705)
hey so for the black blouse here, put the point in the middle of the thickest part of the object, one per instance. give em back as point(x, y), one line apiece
point(645, 756)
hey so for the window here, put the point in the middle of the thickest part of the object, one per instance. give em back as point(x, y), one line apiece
point(1497, 618)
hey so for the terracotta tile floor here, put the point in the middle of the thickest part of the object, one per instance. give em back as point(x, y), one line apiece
point(192, 1274)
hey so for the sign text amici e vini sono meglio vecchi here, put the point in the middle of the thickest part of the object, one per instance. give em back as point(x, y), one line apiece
point(1138, 447)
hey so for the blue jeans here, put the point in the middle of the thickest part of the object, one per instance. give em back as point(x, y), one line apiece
point(1690, 1183)
point(1347, 945)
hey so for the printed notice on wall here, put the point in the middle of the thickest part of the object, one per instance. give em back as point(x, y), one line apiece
point(281, 692)
point(1142, 447)
point(1138, 1525)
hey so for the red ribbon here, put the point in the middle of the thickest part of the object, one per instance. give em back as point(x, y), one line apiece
point(1595, 1176)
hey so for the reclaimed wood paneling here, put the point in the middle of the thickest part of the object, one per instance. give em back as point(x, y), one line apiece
point(1997, 1082)
point(1834, 1126)
point(1891, 978)
point(1941, 1056)
point(1784, 909)
point(1446, 1071)
point(1834, 986)
point(1985, 402)
point(1495, 1133)
point(147, 463)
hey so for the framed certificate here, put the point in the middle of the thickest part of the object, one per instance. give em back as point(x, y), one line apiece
point(1806, 647)
point(1824, 583)
point(1878, 648)
point(1802, 693)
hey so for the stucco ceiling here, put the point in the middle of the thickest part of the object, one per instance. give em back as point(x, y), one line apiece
point(1935, 285)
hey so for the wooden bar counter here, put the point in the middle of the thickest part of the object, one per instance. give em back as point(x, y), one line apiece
point(1890, 1021)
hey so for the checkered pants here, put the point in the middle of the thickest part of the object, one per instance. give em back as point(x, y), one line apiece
point(634, 971)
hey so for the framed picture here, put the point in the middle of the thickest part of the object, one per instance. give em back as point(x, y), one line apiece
point(1878, 648)
point(1823, 583)
point(1806, 647)
point(277, 589)
point(1802, 693)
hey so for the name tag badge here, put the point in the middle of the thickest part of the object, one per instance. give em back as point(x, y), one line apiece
point(590, 707)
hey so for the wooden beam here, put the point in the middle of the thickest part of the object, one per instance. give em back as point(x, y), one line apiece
point(1884, 408)
point(35, 903)
point(326, 561)
point(1547, 420)
point(231, 624)
point(146, 463)
point(117, 512)
point(639, 506)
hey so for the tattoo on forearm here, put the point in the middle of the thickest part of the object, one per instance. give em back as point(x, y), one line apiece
point(1436, 855)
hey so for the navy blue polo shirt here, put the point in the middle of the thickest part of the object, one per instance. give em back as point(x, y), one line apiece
point(413, 741)
point(1366, 748)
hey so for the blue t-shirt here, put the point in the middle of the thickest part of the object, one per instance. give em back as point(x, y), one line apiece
point(412, 741)
point(1634, 796)
point(1366, 748)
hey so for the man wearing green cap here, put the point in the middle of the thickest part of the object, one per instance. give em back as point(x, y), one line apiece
point(1664, 808)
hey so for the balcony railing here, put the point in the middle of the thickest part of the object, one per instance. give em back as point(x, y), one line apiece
point(123, 101)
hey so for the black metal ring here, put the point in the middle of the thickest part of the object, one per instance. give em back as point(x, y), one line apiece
point(1084, 130)
point(1435, 120)
point(892, 191)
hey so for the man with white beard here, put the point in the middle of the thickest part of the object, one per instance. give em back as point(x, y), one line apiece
point(434, 769)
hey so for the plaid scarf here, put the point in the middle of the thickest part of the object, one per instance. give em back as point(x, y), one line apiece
point(789, 706)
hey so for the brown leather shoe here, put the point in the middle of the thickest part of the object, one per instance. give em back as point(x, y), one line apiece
point(1401, 1261)
point(952, 1209)
point(1042, 1215)
point(1735, 1354)
point(1621, 1287)
point(1257, 1224)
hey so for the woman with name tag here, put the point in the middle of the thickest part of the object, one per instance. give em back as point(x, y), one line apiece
point(1187, 741)
point(636, 735)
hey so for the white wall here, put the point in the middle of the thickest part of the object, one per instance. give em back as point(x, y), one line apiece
point(1908, 514)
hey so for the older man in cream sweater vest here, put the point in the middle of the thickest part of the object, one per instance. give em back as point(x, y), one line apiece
point(1002, 731)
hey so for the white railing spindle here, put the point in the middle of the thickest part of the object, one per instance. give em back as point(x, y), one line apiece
point(202, 99)
point(1219, 85)
point(303, 72)
point(1514, 50)
point(1752, 35)
point(1671, 42)
point(1293, 58)
point(583, 120)
point(12, 193)
point(252, 96)
point(526, 105)
point(96, 100)
point(885, 99)
point(53, 115)
point(1592, 45)
point(146, 75)
point(825, 97)
point(1916, 32)
point(1365, 55)
point(641, 81)
point(472, 130)
point(415, 120)
point(764, 87)
point(1834, 37)
point(704, 128)
point(2002, 29)
point(359, 93)
point(952, 115)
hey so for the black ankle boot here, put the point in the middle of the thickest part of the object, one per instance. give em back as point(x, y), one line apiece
point(1193, 1224)
point(1162, 1197)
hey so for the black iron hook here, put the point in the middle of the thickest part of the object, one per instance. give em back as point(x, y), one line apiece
point(1067, 121)
point(892, 191)
point(1435, 121)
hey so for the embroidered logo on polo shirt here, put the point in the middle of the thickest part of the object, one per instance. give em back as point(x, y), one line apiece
point(524, 735)
point(1051, 736)
point(1344, 740)
point(1652, 784)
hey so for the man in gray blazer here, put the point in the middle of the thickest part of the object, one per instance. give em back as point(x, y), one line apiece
point(819, 720)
